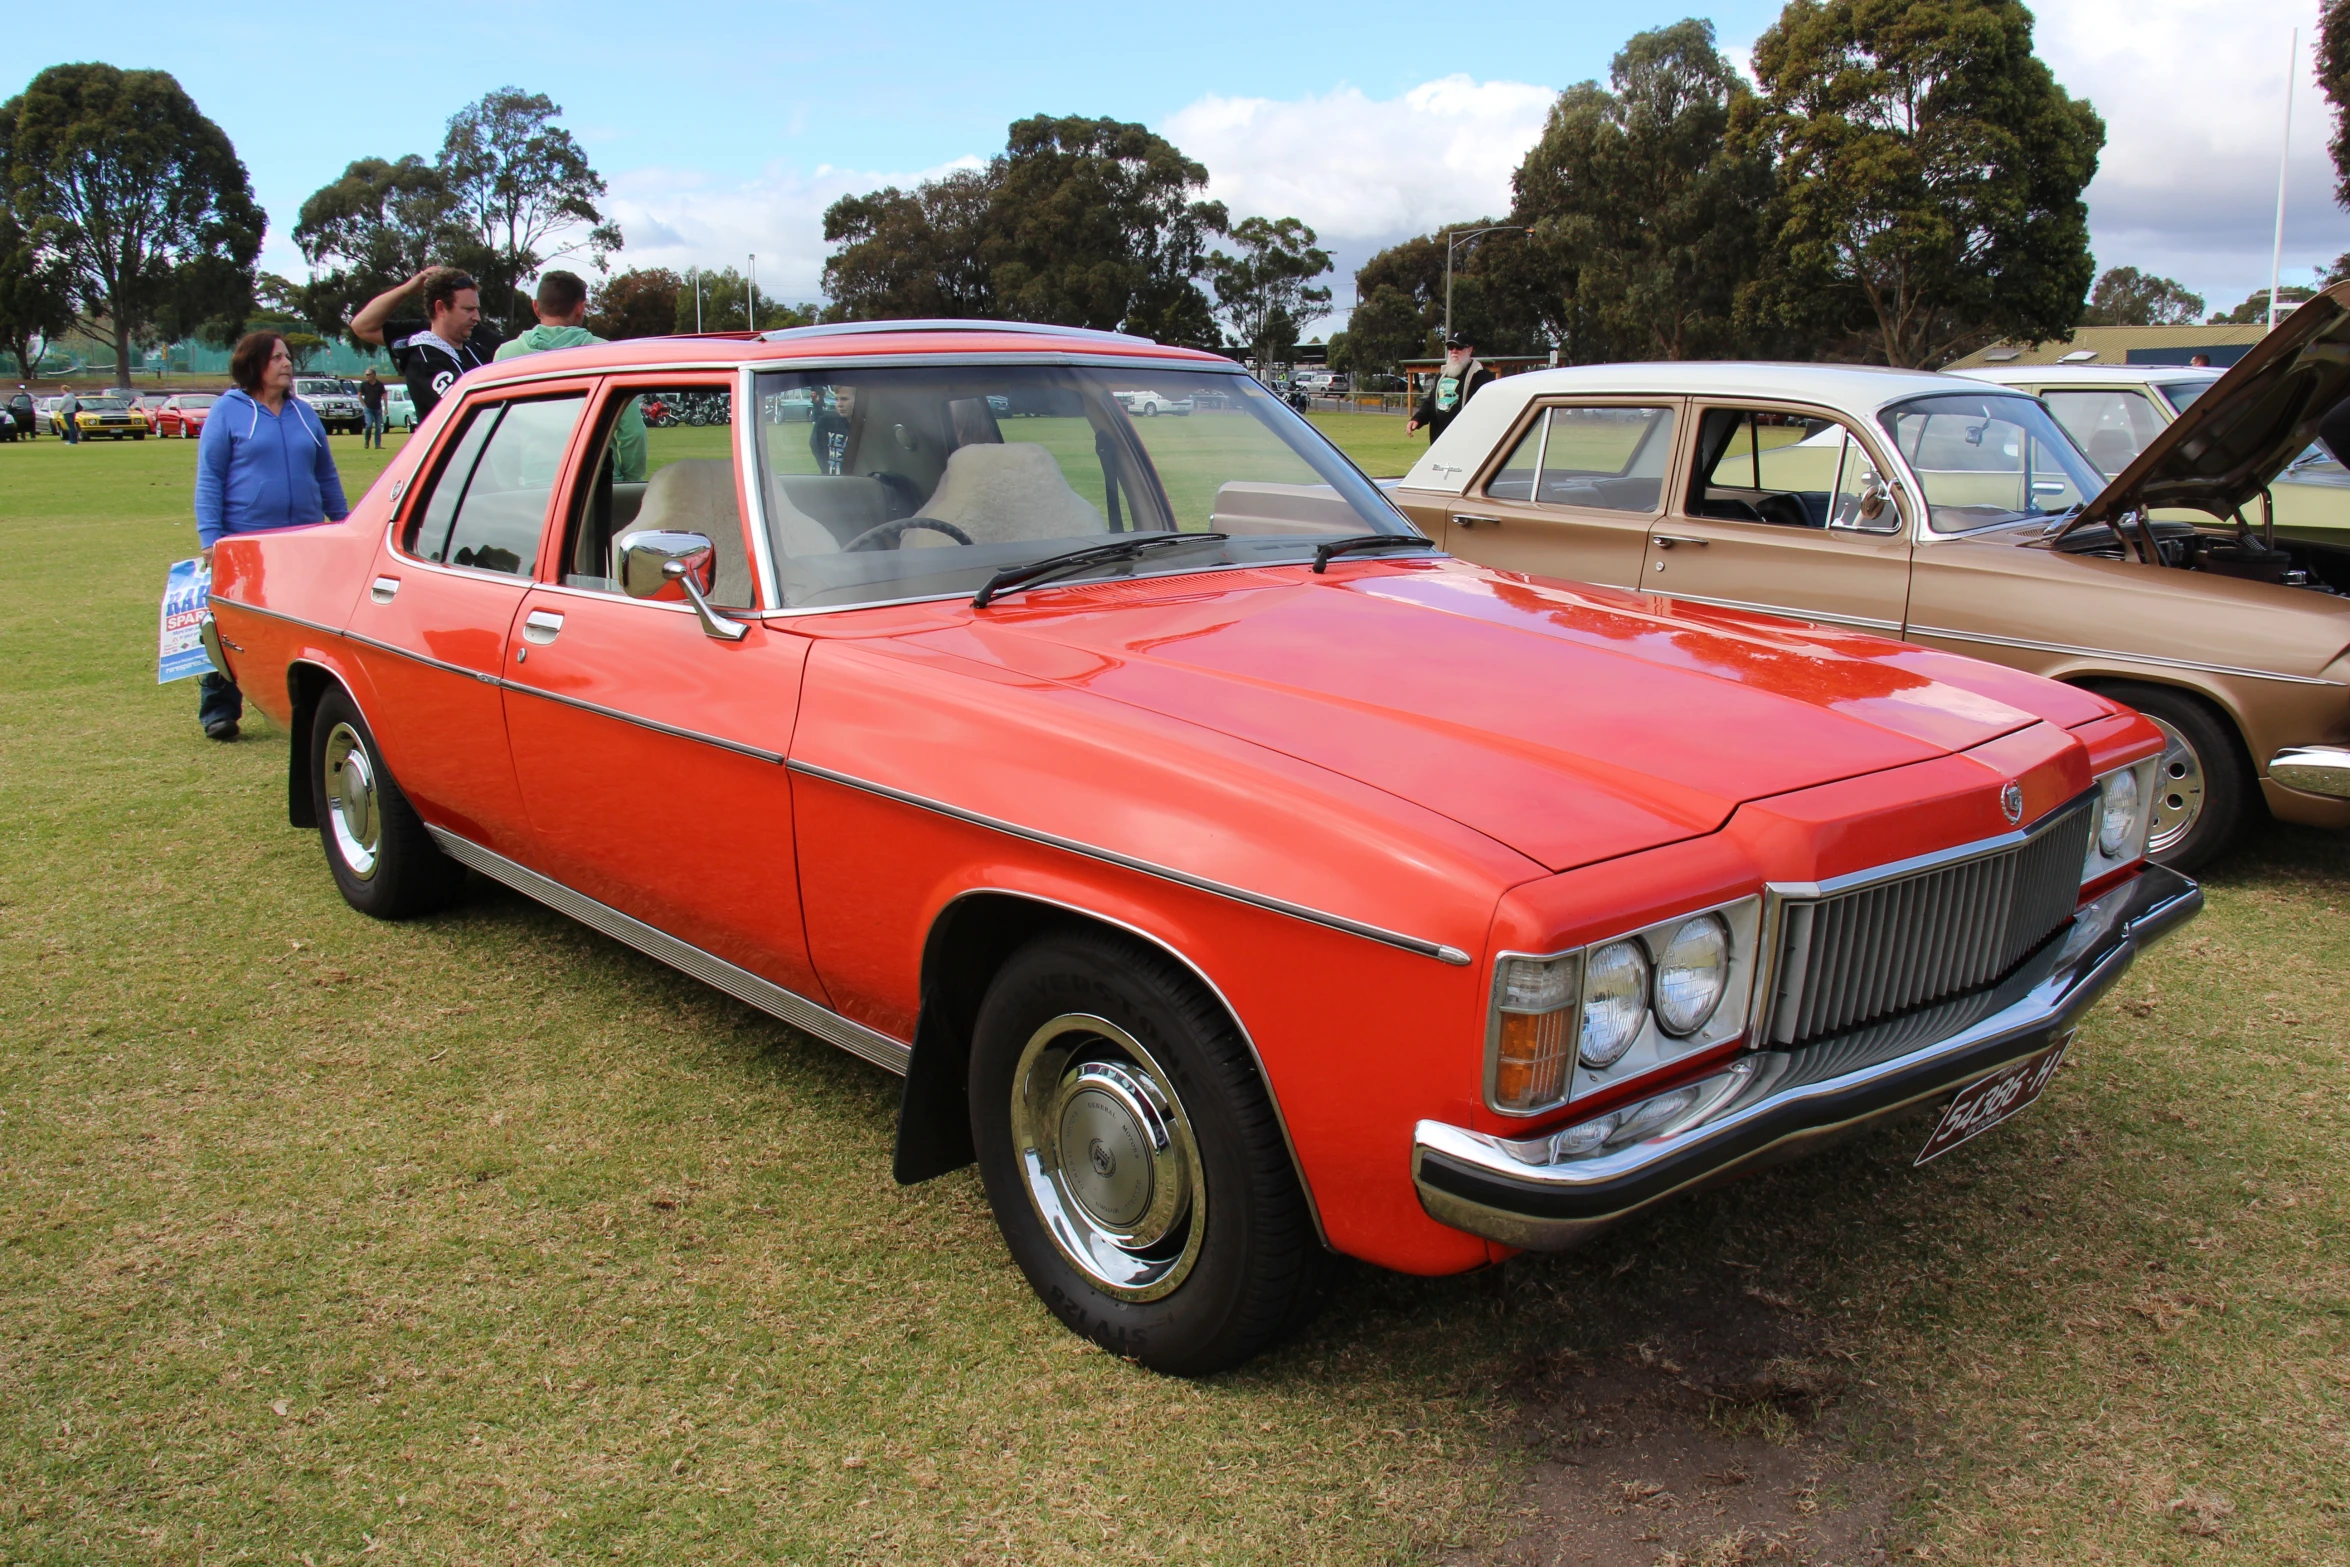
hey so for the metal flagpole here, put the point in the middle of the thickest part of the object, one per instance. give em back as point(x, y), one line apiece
point(697, 301)
point(751, 290)
point(2276, 255)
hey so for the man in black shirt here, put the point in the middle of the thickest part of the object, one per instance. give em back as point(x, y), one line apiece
point(431, 353)
point(1460, 378)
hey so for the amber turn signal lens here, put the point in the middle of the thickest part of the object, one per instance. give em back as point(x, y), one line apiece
point(1530, 1068)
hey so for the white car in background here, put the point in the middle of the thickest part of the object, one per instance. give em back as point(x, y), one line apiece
point(1145, 405)
point(337, 408)
point(399, 408)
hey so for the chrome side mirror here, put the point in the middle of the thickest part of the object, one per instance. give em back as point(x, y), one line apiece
point(655, 564)
point(1875, 511)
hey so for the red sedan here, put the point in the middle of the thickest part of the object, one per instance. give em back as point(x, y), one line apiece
point(183, 414)
point(1233, 876)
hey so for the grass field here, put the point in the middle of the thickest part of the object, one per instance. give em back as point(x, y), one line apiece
point(483, 1239)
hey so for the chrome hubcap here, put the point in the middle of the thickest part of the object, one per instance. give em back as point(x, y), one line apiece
point(1108, 1156)
point(2178, 790)
point(351, 807)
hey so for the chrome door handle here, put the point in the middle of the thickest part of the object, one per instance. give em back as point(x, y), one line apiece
point(540, 626)
point(1668, 540)
point(383, 589)
point(1471, 522)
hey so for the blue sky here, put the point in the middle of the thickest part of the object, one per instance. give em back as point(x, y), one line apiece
point(726, 128)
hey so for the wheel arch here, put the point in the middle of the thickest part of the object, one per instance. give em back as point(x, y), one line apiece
point(306, 684)
point(2102, 681)
point(968, 942)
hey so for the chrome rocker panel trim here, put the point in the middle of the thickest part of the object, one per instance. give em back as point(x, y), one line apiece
point(1475, 1182)
point(2115, 655)
point(2313, 769)
point(740, 983)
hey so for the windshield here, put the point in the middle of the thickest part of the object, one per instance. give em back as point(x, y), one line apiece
point(926, 480)
point(1987, 460)
point(92, 405)
point(197, 402)
point(319, 389)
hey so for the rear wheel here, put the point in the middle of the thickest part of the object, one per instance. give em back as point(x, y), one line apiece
point(1132, 1158)
point(383, 860)
point(2203, 790)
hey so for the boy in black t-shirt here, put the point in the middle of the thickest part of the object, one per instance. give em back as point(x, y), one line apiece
point(430, 354)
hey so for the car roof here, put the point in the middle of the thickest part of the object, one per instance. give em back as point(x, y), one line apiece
point(894, 340)
point(2088, 375)
point(1857, 390)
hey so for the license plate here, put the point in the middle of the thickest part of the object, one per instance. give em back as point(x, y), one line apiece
point(1983, 1105)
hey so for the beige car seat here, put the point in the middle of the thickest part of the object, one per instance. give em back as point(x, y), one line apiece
point(696, 495)
point(1012, 491)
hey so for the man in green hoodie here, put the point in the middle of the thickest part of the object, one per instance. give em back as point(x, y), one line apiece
point(561, 305)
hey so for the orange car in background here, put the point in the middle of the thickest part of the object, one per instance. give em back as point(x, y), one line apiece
point(183, 414)
point(1230, 874)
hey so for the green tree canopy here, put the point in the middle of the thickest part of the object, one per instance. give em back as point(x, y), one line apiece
point(1649, 219)
point(1504, 291)
point(380, 224)
point(725, 305)
point(1386, 328)
point(1930, 176)
point(1082, 222)
point(524, 190)
point(1267, 292)
point(2255, 308)
point(2125, 296)
point(36, 293)
point(137, 198)
point(641, 302)
point(2333, 79)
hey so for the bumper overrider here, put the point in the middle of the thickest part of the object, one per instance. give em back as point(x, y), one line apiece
point(1542, 1194)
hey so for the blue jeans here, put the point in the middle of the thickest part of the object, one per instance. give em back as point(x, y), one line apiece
point(372, 433)
point(73, 432)
point(218, 701)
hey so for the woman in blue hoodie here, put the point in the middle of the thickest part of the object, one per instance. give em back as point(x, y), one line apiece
point(262, 463)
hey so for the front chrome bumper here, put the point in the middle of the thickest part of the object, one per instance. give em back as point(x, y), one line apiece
point(1768, 1104)
point(2313, 769)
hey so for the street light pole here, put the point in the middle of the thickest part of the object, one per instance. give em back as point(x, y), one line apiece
point(2276, 255)
point(751, 295)
point(1453, 239)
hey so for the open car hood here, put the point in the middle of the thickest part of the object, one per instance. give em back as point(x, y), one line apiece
point(2235, 439)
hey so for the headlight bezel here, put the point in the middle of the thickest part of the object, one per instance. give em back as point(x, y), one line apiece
point(1651, 1048)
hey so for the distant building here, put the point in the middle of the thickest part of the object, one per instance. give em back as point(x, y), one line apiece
point(2125, 345)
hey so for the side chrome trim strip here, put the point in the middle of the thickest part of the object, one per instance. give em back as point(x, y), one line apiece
point(1786, 612)
point(740, 748)
point(2029, 645)
point(807, 1016)
point(1427, 949)
point(1272, 1095)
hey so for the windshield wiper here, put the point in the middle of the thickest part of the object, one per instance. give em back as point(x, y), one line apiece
point(1367, 541)
point(1073, 560)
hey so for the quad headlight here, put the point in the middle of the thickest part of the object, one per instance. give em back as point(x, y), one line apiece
point(1568, 1023)
point(2120, 819)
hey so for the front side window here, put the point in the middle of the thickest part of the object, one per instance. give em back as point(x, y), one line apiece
point(1985, 460)
point(488, 500)
point(1761, 465)
point(2111, 425)
point(1596, 458)
point(2181, 393)
point(662, 459)
point(920, 481)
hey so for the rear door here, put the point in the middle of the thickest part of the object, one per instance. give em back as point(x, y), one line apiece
point(448, 583)
point(1576, 494)
point(1784, 510)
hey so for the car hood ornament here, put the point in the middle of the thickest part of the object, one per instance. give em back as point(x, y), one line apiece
point(2011, 803)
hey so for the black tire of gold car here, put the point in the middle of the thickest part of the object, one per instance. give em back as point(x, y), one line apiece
point(2229, 789)
point(411, 876)
point(1260, 1268)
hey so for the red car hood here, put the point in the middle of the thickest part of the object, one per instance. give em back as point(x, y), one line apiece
point(1572, 724)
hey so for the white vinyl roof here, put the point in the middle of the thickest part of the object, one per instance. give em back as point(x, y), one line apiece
point(1857, 391)
point(2090, 375)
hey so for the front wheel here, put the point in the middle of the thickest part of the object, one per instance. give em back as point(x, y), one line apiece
point(1133, 1160)
point(2203, 791)
point(383, 860)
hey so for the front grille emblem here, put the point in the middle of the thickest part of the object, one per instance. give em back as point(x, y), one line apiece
point(2011, 802)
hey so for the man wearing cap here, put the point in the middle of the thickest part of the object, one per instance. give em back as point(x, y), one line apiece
point(1456, 383)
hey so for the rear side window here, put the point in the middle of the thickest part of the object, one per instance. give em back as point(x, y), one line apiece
point(2112, 426)
point(488, 502)
point(1599, 459)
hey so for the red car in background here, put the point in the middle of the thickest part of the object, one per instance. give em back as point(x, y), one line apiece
point(1232, 875)
point(183, 414)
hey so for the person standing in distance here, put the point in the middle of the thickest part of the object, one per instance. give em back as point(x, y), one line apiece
point(430, 354)
point(69, 421)
point(1461, 379)
point(371, 402)
point(261, 463)
point(561, 306)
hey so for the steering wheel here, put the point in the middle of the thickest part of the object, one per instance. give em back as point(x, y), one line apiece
point(893, 533)
point(1785, 510)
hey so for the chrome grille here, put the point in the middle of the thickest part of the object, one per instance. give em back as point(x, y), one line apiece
point(1874, 952)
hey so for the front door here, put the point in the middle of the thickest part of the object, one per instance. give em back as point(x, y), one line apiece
point(1575, 497)
point(650, 752)
point(432, 626)
point(1784, 511)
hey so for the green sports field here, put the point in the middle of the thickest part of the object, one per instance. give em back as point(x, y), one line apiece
point(484, 1239)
